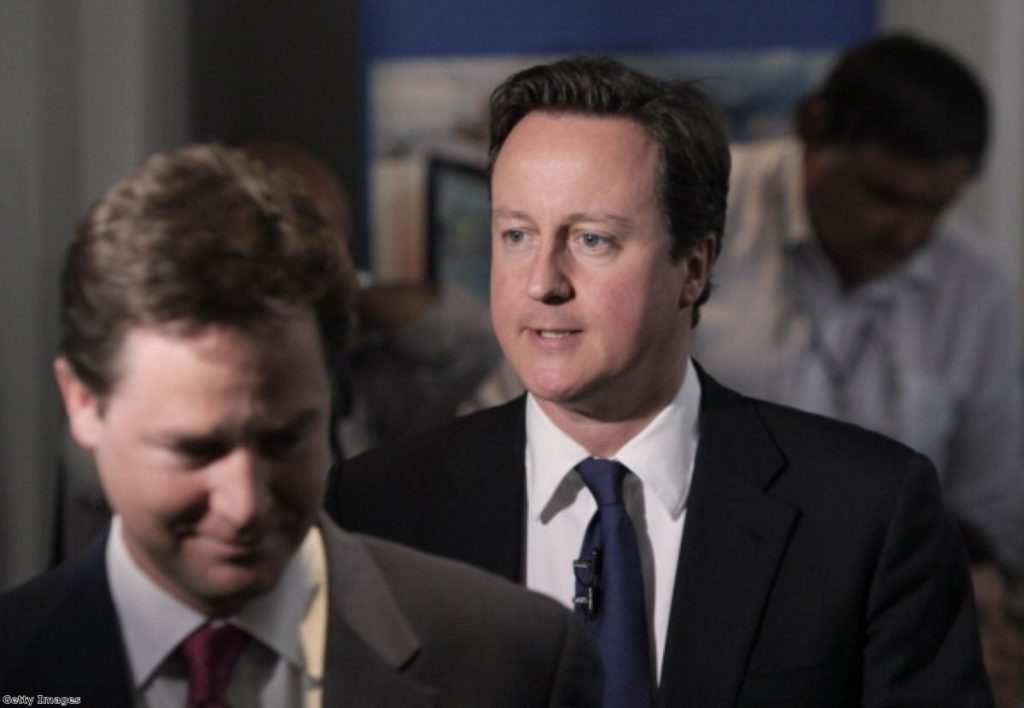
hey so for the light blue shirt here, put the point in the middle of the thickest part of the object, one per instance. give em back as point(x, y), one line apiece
point(927, 353)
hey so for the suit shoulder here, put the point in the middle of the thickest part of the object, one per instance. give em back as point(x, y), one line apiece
point(476, 427)
point(485, 640)
point(35, 616)
point(457, 440)
point(29, 603)
point(813, 434)
point(455, 588)
point(833, 465)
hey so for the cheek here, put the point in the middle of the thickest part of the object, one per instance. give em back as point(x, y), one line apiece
point(500, 278)
point(502, 301)
point(637, 297)
point(158, 506)
point(299, 485)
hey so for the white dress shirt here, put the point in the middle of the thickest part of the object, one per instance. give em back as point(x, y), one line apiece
point(927, 353)
point(281, 666)
point(559, 506)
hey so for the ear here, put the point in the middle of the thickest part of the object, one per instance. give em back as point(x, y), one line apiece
point(81, 404)
point(697, 262)
point(812, 118)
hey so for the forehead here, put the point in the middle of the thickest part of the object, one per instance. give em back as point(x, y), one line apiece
point(561, 156)
point(181, 365)
point(931, 181)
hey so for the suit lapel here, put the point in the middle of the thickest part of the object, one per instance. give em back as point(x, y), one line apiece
point(369, 641)
point(732, 544)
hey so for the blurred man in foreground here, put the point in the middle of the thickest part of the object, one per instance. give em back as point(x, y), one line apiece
point(202, 301)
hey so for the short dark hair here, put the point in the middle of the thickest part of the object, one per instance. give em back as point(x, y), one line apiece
point(677, 115)
point(202, 236)
point(912, 97)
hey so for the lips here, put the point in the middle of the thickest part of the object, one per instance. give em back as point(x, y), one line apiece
point(234, 545)
point(553, 339)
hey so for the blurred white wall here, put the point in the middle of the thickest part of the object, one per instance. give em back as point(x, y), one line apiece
point(87, 89)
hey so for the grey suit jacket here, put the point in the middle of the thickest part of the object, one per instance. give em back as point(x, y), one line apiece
point(405, 630)
point(818, 566)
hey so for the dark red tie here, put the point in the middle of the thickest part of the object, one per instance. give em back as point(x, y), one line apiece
point(210, 656)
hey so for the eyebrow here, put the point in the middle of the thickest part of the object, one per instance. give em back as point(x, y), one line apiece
point(600, 218)
point(894, 193)
point(575, 217)
point(180, 437)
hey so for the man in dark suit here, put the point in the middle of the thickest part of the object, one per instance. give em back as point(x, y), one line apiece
point(786, 559)
point(202, 298)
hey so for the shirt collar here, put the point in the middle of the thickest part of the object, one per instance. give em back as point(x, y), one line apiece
point(661, 455)
point(276, 618)
point(154, 622)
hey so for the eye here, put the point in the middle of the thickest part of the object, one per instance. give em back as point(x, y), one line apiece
point(592, 244)
point(513, 236)
point(198, 453)
point(279, 444)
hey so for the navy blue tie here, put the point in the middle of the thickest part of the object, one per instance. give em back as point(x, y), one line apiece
point(610, 590)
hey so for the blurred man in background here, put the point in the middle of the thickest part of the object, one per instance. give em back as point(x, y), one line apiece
point(843, 289)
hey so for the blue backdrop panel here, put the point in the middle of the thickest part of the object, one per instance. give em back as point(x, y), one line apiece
point(410, 28)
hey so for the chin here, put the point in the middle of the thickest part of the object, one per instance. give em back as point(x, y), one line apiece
point(554, 389)
point(228, 593)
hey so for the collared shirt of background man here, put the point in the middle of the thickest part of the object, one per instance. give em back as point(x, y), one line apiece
point(845, 288)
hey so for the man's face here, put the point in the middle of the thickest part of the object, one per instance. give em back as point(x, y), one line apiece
point(586, 302)
point(213, 448)
point(872, 208)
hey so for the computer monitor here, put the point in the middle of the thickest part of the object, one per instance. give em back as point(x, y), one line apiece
point(459, 225)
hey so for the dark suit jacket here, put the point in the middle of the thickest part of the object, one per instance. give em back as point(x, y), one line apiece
point(404, 630)
point(818, 565)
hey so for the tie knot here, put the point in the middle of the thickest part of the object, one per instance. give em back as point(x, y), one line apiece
point(604, 479)
point(210, 657)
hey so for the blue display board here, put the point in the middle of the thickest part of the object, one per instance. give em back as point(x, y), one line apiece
point(413, 28)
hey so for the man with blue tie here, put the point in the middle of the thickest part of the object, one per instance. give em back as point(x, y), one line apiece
point(723, 551)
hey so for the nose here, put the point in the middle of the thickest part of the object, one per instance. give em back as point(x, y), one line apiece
point(548, 280)
point(240, 495)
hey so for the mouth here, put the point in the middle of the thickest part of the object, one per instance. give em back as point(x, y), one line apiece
point(555, 333)
point(553, 339)
point(235, 543)
point(234, 547)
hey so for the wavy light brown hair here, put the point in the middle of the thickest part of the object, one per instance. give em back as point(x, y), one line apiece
point(198, 237)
